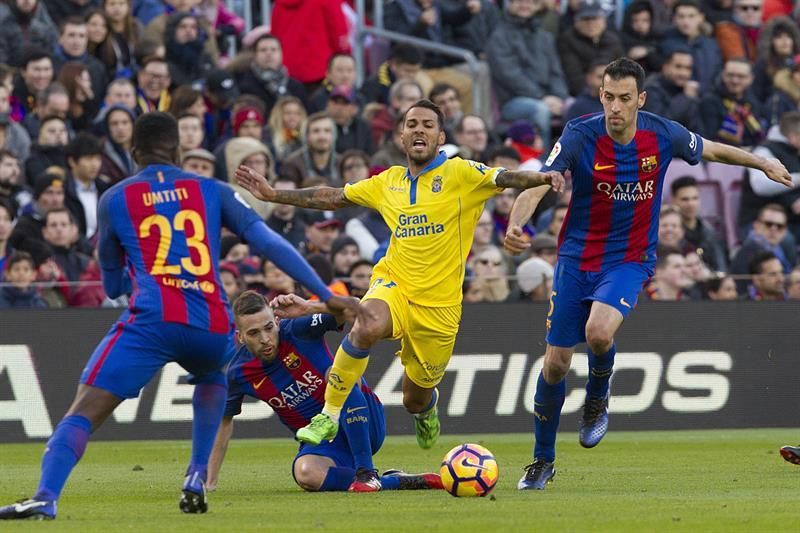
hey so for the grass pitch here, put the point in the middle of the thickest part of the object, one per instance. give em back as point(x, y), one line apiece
point(634, 481)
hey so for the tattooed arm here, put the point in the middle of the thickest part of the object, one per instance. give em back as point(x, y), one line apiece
point(527, 179)
point(324, 198)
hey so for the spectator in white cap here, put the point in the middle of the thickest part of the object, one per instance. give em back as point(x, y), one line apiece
point(199, 161)
point(535, 279)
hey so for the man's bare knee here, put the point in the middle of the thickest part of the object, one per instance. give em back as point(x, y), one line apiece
point(599, 338)
point(308, 476)
point(556, 364)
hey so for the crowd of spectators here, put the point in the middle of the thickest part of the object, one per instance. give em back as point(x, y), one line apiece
point(75, 74)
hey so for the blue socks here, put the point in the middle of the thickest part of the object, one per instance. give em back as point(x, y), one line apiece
point(431, 404)
point(208, 403)
point(548, 401)
point(354, 422)
point(600, 369)
point(64, 449)
point(339, 478)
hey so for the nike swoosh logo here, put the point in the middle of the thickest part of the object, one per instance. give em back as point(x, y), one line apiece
point(623, 302)
point(354, 409)
point(598, 167)
point(257, 385)
point(22, 507)
point(467, 463)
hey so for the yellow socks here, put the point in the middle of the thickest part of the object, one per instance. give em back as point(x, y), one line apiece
point(348, 367)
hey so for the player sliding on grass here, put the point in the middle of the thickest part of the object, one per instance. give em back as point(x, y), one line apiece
point(283, 363)
point(607, 246)
point(159, 235)
point(432, 207)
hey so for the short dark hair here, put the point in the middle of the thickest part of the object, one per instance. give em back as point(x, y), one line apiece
point(441, 88)
point(5, 203)
point(714, 284)
point(266, 36)
point(758, 260)
point(70, 21)
point(83, 145)
point(790, 122)
point(58, 210)
point(772, 207)
point(155, 131)
point(674, 50)
point(624, 67)
point(19, 257)
point(405, 54)
point(427, 104)
point(360, 262)
point(44, 120)
point(682, 183)
point(249, 303)
point(686, 3)
point(460, 124)
point(7, 152)
point(34, 53)
point(338, 54)
point(663, 253)
point(501, 150)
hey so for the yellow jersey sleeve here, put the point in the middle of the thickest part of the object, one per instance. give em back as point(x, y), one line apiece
point(368, 192)
point(478, 180)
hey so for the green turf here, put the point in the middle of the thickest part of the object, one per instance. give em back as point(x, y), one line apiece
point(654, 481)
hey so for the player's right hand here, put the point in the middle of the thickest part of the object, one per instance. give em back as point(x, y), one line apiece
point(290, 306)
point(516, 241)
point(349, 305)
point(255, 183)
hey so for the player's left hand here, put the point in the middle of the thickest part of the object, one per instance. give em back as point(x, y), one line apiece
point(776, 171)
point(555, 179)
point(290, 306)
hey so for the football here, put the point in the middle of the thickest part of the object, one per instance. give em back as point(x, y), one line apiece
point(469, 470)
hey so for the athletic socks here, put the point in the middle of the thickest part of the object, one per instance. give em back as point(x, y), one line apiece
point(208, 403)
point(431, 405)
point(340, 477)
point(355, 424)
point(600, 369)
point(547, 403)
point(348, 367)
point(64, 449)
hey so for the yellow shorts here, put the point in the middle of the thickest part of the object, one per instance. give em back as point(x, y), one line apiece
point(426, 334)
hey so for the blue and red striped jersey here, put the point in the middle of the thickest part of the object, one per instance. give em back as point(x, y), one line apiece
point(165, 225)
point(293, 383)
point(616, 189)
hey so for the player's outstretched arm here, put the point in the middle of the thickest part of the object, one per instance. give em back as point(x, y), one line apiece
point(218, 451)
point(517, 241)
point(294, 306)
point(528, 179)
point(723, 153)
point(325, 198)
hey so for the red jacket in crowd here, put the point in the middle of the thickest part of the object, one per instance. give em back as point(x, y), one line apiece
point(310, 32)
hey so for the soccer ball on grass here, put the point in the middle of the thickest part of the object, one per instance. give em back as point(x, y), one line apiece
point(469, 470)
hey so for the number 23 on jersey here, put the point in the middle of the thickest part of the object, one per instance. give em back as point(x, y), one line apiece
point(191, 224)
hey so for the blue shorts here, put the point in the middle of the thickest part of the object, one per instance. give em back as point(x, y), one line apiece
point(339, 448)
point(574, 291)
point(130, 354)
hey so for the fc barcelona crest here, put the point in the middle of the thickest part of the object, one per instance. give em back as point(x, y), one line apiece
point(437, 184)
point(649, 163)
point(291, 361)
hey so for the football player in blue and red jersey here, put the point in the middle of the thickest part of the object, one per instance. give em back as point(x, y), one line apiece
point(284, 364)
point(607, 245)
point(159, 240)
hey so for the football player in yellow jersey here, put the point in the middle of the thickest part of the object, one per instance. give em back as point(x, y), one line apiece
point(431, 207)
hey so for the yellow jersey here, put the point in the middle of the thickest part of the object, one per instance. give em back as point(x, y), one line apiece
point(432, 217)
